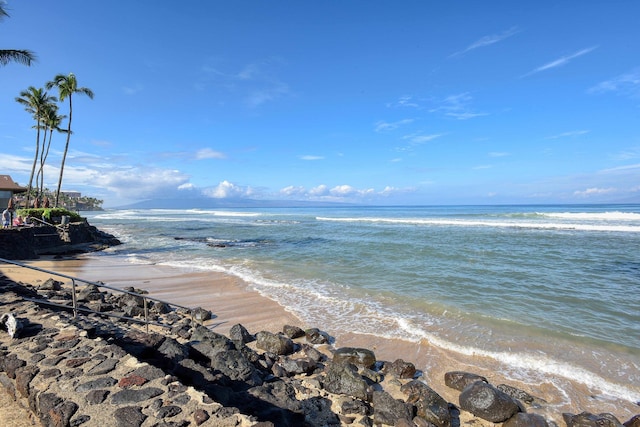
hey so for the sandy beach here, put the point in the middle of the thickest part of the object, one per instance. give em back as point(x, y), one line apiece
point(232, 301)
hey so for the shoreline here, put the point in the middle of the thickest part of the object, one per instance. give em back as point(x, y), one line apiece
point(232, 301)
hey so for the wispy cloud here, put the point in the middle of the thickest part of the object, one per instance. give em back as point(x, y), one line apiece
point(383, 126)
point(487, 41)
point(457, 106)
point(561, 61)
point(311, 157)
point(569, 134)
point(498, 154)
point(404, 101)
point(626, 84)
point(417, 138)
point(208, 153)
point(594, 191)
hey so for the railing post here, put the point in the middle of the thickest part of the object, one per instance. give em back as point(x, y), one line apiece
point(146, 313)
point(73, 299)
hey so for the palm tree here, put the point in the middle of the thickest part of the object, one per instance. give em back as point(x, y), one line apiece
point(51, 121)
point(67, 86)
point(13, 55)
point(35, 101)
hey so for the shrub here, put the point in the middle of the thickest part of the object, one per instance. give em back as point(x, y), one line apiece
point(48, 213)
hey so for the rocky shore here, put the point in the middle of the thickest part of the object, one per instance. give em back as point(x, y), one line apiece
point(93, 370)
point(22, 243)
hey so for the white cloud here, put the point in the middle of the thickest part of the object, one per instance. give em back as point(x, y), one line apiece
point(569, 134)
point(404, 101)
point(311, 157)
point(498, 154)
point(457, 106)
point(626, 84)
point(561, 61)
point(226, 189)
point(417, 139)
point(487, 41)
point(594, 191)
point(132, 183)
point(382, 126)
point(208, 153)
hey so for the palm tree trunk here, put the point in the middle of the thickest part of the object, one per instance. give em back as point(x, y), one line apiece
point(35, 160)
point(64, 155)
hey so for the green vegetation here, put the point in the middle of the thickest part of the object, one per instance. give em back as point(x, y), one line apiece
point(21, 56)
point(44, 110)
point(49, 214)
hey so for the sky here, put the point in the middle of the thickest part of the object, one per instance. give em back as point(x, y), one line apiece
point(368, 102)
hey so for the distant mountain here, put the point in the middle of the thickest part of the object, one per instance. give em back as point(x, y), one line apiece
point(210, 203)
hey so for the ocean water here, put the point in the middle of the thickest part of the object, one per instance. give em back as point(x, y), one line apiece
point(546, 291)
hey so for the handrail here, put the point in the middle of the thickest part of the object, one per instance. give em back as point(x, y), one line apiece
point(57, 226)
point(75, 307)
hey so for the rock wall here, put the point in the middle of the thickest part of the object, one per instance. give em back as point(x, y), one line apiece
point(30, 242)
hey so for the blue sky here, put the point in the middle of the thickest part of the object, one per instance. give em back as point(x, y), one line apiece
point(377, 102)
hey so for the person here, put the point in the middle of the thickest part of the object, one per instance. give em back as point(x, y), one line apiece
point(18, 222)
point(6, 218)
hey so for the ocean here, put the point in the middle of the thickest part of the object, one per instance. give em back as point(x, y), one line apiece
point(546, 292)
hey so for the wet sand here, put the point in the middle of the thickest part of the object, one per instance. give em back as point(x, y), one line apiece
point(232, 301)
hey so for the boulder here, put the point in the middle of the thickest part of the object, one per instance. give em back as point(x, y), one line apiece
point(236, 367)
point(357, 356)
point(400, 369)
point(292, 332)
point(51, 285)
point(458, 380)
point(343, 378)
point(316, 336)
point(587, 419)
point(387, 410)
point(633, 421)
point(487, 402)
point(430, 406)
point(516, 393)
point(201, 314)
point(526, 420)
point(240, 334)
point(90, 293)
point(274, 343)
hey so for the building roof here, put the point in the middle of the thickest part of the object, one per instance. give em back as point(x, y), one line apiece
point(6, 183)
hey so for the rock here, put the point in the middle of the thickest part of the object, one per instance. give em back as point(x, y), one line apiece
point(292, 332)
point(487, 402)
point(430, 406)
point(316, 336)
point(200, 416)
point(160, 307)
point(235, 366)
point(459, 380)
point(200, 314)
point(50, 285)
point(54, 411)
point(12, 324)
point(95, 397)
point(24, 377)
point(587, 419)
point(276, 402)
point(104, 382)
point(516, 393)
point(313, 353)
point(127, 396)
point(103, 367)
point(274, 343)
point(129, 416)
point(357, 356)
point(343, 378)
point(129, 300)
point(633, 422)
point(400, 369)
point(526, 420)
point(387, 410)
point(90, 293)
point(298, 366)
point(240, 334)
point(317, 412)
point(353, 406)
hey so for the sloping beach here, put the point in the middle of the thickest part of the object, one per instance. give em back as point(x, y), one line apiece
point(232, 301)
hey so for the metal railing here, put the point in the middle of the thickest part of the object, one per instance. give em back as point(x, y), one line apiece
point(76, 308)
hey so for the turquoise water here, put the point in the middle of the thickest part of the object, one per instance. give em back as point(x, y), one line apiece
point(554, 289)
